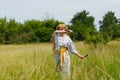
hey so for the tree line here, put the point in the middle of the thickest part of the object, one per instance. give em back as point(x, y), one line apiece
point(13, 32)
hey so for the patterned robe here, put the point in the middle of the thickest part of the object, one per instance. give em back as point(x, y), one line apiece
point(66, 42)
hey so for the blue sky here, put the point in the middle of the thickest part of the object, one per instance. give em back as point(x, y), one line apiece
point(62, 10)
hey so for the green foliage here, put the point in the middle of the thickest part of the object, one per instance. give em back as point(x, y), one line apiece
point(29, 31)
point(3, 24)
point(108, 19)
point(109, 27)
point(11, 31)
point(43, 34)
point(83, 18)
point(82, 25)
point(95, 39)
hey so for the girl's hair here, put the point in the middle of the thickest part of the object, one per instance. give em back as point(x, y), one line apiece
point(61, 27)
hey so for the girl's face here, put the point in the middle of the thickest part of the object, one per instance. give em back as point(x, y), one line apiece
point(60, 28)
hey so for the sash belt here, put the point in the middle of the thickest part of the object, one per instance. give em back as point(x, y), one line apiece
point(62, 51)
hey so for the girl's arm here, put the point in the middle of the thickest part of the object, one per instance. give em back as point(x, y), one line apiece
point(73, 50)
point(80, 56)
point(63, 31)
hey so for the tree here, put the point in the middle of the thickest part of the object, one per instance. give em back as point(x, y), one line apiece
point(11, 31)
point(82, 25)
point(3, 22)
point(109, 26)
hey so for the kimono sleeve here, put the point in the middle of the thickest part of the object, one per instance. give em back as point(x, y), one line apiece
point(72, 48)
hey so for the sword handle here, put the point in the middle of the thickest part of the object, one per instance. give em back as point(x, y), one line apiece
point(86, 55)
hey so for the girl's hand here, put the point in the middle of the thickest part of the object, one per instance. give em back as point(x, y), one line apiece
point(80, 56)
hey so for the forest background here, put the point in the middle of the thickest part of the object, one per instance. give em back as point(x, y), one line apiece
point(32, 31)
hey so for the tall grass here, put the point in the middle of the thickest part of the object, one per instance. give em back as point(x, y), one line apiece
point(36, 62)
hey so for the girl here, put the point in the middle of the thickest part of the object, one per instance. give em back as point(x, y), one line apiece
point(63, 47)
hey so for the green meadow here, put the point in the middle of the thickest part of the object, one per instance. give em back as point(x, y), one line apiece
point(36, 62)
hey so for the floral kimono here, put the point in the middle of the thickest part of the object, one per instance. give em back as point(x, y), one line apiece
point(63, 41)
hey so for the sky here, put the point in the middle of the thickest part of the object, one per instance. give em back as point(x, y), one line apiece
point(62, 10)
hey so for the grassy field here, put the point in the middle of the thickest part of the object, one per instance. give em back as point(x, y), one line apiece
point(35, 62)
